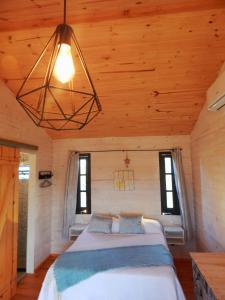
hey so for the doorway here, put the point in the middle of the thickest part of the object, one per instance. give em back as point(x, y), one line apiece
point(24, 174)
point(26, 213)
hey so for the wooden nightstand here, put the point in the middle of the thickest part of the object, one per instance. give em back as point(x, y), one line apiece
point(174, 235)
point(209, 275)
point(76, 230)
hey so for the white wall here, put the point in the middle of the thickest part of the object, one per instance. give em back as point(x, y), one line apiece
point(15, 125)
point(208, 161)
point(145, 198)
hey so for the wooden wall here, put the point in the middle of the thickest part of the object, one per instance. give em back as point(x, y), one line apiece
point(15, 125)
point(146, 196)
point(208, 163)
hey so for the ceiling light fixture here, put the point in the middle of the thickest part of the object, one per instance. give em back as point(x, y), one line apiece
point(58, 93)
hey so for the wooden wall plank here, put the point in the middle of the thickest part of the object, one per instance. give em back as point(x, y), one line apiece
point(40, 13)
point(9, 158)
point(208, 144)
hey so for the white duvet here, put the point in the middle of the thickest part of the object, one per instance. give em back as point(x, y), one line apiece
point(145, 283)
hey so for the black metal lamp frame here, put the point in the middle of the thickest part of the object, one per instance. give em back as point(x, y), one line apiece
point(61, 120)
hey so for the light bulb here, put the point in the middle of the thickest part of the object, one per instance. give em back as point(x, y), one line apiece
point(64, 68)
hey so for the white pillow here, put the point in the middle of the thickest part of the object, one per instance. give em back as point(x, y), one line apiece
point(115, 225)
point(131, 224)
point(100, 223)
point(152, 226)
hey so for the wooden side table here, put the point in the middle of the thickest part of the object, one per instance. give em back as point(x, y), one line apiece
point(174, 235)
point(209, 275)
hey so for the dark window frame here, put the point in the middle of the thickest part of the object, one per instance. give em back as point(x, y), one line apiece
point(79, 209)
point(176, 207)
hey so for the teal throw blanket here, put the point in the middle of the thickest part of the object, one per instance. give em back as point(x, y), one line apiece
point(73, 267)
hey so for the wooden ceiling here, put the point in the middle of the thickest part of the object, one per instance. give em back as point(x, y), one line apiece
point(150, 60)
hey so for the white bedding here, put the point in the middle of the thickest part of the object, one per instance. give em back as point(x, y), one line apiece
point(145, 283)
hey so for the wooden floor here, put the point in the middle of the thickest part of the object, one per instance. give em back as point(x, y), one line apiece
point(29, 287)
point(184, 273)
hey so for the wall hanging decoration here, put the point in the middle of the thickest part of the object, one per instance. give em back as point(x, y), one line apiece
point(124, 179)
point(58, 93)
point(45, 177)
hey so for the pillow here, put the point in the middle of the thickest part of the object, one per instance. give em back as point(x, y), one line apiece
point(100, 223)
point(115, 225)
point(152, 226)
point(131, 224)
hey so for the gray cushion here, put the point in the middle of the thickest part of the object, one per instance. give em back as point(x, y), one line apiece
point(131, 224)
point(100, 223)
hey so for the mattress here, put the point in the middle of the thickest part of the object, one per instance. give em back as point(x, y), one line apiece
point(143, 283)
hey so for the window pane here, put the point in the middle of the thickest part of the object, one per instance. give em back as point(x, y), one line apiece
point(83, 166)
point(83, 199)
point(24, 168)
point(169, 186)
point(168, 165)
point(24, 172)
point(169, 199)
point(83, 189)
point(83, 183)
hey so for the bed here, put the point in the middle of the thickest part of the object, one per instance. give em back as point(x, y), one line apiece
point(133, 283)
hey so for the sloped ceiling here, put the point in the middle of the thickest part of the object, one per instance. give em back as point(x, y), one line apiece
point(151, 61)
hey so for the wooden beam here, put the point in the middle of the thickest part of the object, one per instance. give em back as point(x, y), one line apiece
point(14, 144)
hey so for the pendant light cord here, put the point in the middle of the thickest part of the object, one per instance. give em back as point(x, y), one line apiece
point(64, 16)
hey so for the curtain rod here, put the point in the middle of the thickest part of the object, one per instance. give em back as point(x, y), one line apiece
point(129, 150)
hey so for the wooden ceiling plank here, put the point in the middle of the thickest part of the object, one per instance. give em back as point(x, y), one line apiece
point(150, 70)
point(17, 15)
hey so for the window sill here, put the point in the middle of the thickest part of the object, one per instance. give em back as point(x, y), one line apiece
point(170, 214)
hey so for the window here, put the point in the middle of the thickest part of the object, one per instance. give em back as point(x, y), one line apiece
point(84, 185)
point(24, 172)
point(169, 198)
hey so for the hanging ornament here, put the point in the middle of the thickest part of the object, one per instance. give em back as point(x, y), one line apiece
point(127, 160)
point(124, 179)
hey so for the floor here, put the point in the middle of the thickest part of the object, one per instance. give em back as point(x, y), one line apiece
point(20, 275)
point(184, 273)
point(29, 287)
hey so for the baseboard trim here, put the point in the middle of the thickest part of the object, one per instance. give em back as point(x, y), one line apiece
point(54, 255)
point(51, 256)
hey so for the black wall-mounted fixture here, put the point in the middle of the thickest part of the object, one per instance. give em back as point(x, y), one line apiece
point(45, 174)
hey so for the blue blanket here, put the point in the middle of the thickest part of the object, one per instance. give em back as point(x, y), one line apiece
point(73, 267)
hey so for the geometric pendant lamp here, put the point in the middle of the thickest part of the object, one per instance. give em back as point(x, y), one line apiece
point(58, 92)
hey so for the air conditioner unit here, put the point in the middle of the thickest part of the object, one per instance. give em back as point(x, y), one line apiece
point(216, 94)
